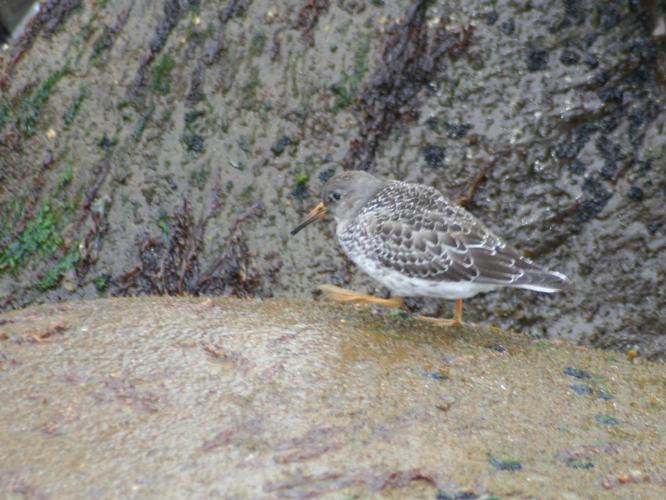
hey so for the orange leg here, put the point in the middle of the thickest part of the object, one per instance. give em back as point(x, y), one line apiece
point(346, 296)
point(457, 317)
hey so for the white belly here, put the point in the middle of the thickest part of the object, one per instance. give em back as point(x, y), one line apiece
point(403, 286)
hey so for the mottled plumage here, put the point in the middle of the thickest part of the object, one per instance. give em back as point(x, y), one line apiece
point(416, 242)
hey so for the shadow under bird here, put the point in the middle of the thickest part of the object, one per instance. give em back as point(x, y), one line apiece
point(416, 242)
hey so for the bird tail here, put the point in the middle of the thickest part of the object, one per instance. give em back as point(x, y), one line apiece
point(543, 281)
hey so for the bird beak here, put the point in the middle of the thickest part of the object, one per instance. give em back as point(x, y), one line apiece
point(317, 213)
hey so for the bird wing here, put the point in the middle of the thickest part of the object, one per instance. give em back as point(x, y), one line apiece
point(416, 231)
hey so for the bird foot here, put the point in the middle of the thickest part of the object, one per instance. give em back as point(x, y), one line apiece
point(440, 321)
point(344, 296)
point(456, 321)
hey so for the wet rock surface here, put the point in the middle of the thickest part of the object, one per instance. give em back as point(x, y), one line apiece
point(291, 399)
point(169, 147)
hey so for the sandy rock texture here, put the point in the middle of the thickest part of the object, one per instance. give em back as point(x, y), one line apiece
point(166, 397)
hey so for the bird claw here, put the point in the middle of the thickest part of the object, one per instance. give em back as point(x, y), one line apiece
point(455, 321)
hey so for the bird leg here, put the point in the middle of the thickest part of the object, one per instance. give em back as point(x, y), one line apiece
point(457, 318)
point(346, 296)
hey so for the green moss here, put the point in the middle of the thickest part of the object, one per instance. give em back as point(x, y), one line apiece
point(257, 45)
point(196, 36)
point(300, 189)
point(102, 44)
point(350, 85)
point(106, 142)
point(142, 122)
point(301, 179)
point(247, 194)
point(280, 145)
point(191, 139)
point(401, 315)
point(613, 358)
point(74, 108)
point(54, 275)
point(30, 108)
point(102, 282)
point(167, 114)
point(606, 419)
point(164, 222)
point(507, 464)
point(386, 329)
point(194, 142)
point(85, 33)
point(162, 74)
point(194, 115)
point(245, 144)
point(249, 90)
point(199, 176)
point(224, 122)
point(4, 115)
point(194, 6)
point(10, 216)
point(65, 178)
point(42, 234)
point(604, 394)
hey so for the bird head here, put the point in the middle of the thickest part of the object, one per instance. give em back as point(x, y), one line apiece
point(342, 197)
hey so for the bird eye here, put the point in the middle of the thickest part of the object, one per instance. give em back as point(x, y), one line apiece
point(334, 196)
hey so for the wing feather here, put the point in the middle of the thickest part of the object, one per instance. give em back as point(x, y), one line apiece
point(416, 231)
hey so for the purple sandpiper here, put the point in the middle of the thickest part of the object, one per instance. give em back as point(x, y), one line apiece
point(416, 242)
